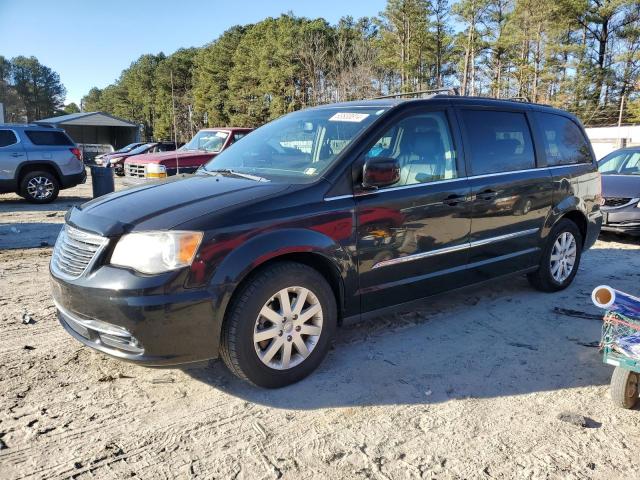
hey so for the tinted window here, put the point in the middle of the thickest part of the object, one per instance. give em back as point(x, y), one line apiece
point(500, 141)
point(564, 142)
point(44, 137)
point(238, 136)
point(7, 137)
point(423, 147)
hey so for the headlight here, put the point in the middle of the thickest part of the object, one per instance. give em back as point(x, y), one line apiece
point(156, 252)
point(155, 170)
point(114, 160)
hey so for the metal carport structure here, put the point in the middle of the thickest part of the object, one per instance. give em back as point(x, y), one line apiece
point(96, 128)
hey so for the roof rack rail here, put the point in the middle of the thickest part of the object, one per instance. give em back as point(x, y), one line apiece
point(518, 99)
point(421, 93)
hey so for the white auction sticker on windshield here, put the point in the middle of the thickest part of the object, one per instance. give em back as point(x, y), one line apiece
point(348, 117)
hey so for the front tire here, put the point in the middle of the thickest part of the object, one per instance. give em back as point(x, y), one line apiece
point(560, 258)
point(280, 325)
point(39, 187)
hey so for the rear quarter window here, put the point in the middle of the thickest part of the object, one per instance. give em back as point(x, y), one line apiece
point(7, 137)
point(499, 141)
point(564, 142)
point(44, 137)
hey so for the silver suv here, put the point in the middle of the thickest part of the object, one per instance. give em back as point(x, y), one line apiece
point(36, 162)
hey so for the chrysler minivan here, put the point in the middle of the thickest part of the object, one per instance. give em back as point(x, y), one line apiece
point(324, 216)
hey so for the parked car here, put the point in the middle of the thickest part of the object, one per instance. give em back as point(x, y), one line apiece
point(621, 191)
point(36, 162)
point(322, 217)
point(126, 149)
point(206, 144)
point(116, 160)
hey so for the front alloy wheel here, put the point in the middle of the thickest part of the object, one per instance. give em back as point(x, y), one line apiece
point(288, 328)
point(279, 326)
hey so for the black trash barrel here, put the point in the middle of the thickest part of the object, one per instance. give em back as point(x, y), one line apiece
point(101, 180)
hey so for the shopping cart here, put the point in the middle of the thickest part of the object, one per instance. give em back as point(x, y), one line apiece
point(625, 380)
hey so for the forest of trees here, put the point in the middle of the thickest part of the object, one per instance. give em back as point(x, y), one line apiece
point(29, 90)
point(580, 55)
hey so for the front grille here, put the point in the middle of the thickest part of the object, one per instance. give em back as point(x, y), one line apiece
point(616, 201)
point(134, 170)
point(74, 251)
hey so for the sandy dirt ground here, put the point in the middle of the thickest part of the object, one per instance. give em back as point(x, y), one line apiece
point(471, 385)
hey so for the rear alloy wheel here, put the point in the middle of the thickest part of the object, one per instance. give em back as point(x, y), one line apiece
point(39, 187)
point(279, 326)
point(560, 258)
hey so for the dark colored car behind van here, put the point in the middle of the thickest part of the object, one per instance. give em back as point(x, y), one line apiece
point(324, 216)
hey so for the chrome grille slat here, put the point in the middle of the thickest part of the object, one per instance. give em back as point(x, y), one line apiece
point(618, 202)
point(74, 251)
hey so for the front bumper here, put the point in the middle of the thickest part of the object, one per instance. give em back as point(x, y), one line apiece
point(622, 220)
point(138, 325)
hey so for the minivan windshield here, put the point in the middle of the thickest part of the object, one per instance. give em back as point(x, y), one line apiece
point(623, 162)
point(298, 147)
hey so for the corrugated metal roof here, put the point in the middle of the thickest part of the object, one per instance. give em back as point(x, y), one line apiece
point(94, 119)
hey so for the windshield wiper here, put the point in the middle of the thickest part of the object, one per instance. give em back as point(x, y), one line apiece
point(238, 174)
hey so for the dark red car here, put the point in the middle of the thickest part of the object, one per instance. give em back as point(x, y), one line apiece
point(116, 159)
point(204, 146)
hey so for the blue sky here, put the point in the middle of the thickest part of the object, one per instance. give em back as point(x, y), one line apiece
point(90, 42)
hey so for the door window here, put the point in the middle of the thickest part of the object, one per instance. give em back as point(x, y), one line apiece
point(499, 141)
point(7, 137)
point(423, 147)
point(564, 142)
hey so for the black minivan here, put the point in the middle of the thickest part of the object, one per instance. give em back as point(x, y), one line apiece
point(323, 216)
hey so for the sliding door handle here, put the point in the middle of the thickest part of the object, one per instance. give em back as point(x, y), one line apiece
point(487, 195)
point(453, 200)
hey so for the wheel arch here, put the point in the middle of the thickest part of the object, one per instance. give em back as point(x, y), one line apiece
point(27, 167)
point(304, 246)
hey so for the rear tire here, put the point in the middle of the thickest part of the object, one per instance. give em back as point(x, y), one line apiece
point(560, 258)
point(39, 187)
point(624, 388)
point(267, 338)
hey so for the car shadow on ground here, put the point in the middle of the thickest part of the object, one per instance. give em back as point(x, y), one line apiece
point(499, 340)
point(28, 235)
point(17, 204)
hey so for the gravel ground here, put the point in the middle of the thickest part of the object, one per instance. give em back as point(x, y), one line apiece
point(490, 382)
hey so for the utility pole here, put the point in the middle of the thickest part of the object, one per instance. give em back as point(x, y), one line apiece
point(621, 141)
point(175, 131)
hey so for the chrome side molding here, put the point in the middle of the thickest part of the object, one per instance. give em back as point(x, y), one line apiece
point(455, 248)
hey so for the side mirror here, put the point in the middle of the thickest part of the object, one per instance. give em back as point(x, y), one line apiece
point(379, 172)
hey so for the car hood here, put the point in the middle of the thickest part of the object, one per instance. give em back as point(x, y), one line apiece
point(161, 156)
point(621, 186)
point(164, 205)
